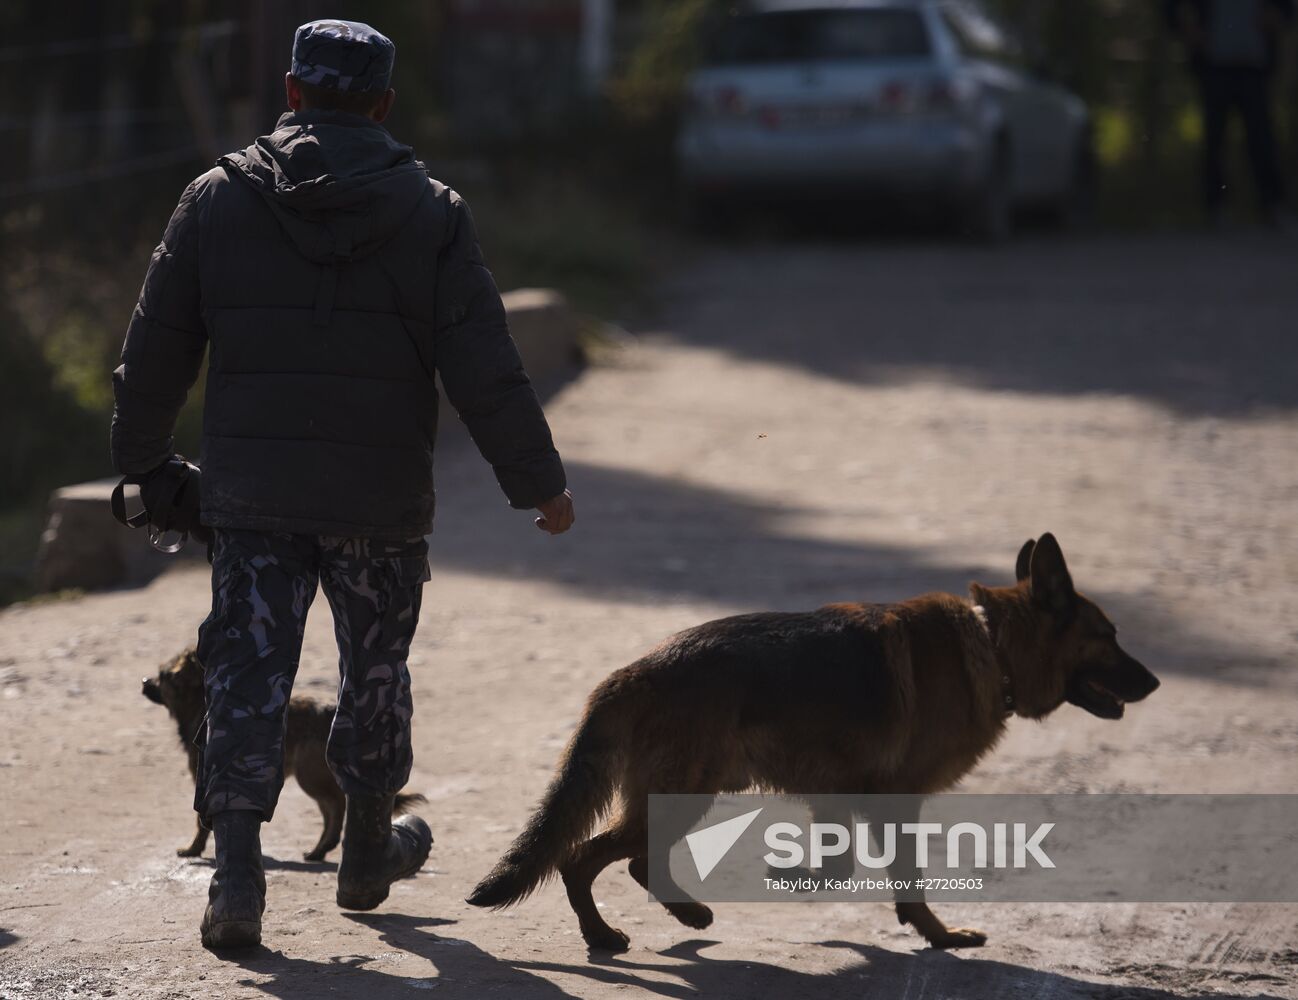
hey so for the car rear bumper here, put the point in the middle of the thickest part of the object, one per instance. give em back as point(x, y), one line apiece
point(876, 157)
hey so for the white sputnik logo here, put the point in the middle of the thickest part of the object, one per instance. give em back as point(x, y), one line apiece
point(709, 845)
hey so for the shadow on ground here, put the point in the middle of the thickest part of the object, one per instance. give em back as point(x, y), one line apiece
point(271, 863)
point(1197, 324)
point(644, 537)
point(459, 968)
point(1201, 326)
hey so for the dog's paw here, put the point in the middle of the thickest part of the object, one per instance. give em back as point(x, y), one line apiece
point(606, 939)
point(959, 937)
point(189, 852)
point(694, 915)
point(314, 856)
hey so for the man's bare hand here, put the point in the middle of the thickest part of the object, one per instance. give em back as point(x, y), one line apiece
point(556, 514)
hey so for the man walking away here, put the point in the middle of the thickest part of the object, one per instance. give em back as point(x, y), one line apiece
point(1232, 46)
point(327, 277)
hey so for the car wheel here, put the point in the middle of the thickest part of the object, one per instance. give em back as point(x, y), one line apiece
point(989, 213)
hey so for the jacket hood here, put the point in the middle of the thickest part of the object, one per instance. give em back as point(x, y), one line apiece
point(338, 183)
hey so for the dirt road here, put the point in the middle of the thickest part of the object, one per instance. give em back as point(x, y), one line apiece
point(799, 425)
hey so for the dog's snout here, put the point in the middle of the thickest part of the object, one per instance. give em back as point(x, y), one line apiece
point(1139, 682)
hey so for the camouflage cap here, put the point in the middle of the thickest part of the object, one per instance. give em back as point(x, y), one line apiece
point(344, 55)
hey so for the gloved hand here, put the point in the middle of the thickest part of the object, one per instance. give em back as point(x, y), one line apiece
point(170, 495)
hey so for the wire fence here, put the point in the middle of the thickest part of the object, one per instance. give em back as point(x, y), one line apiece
point(198, 33)
point(109, 171)
point(117, 105)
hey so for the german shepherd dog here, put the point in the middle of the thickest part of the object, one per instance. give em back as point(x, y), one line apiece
point(179, 686)
point(852, 698)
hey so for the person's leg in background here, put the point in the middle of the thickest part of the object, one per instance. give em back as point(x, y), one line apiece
point(1214, 102)
point(374, 589)
point(262, 586)
point(1253, 98)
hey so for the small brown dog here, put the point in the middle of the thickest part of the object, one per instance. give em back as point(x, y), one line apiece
point(179, 687)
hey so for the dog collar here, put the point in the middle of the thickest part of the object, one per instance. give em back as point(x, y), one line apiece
point(1007, 685)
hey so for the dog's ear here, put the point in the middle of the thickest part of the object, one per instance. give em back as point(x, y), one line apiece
point(1052, 586)
point(188, 671)
point(1023, 564)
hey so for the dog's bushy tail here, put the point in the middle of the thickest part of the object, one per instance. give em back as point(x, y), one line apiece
point(404, 802)
point(579, 793)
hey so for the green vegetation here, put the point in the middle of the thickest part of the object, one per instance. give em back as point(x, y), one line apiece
point(583, 204)
point(589, 246)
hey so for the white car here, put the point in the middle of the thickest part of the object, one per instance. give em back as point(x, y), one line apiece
point(884, 99)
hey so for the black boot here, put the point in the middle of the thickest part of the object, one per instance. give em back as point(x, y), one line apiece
point(377, 851)
point(236, 896)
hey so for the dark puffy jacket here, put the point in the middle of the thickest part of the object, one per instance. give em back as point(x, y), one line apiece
point(330, 277)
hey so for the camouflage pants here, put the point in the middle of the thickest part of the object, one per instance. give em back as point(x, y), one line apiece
point(262, 586)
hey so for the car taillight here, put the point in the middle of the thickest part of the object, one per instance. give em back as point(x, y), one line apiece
point(894, 97)
point(942, 97)
point(728, 101)
point(948, 95)
point(900, 97)
point(719, 102)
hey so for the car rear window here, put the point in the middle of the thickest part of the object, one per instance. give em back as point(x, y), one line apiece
point(817, 36)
